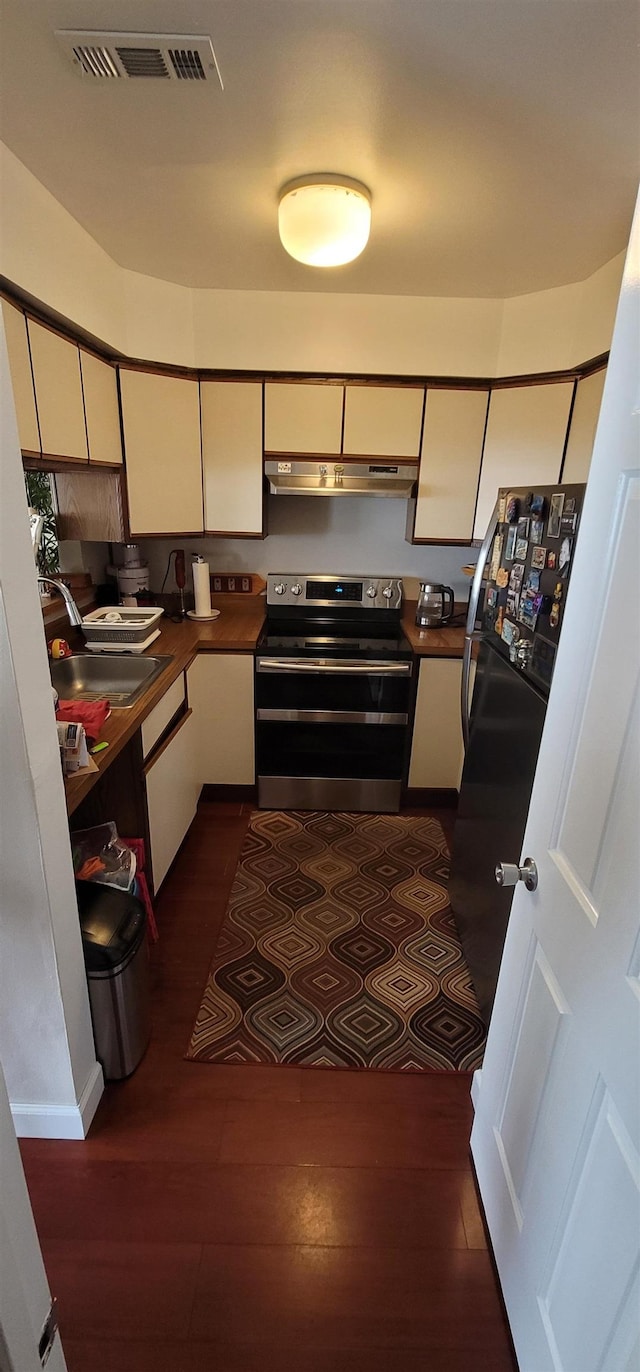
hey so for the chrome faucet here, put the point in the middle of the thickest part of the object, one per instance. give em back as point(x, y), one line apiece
point(73, 612)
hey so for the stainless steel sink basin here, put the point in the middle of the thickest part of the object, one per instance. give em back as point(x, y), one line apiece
point(119, 677)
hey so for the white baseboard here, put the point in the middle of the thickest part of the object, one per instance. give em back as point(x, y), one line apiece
point(40, 1121)
point(476, 1084)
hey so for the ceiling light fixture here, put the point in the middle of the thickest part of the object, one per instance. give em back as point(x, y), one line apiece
point(324, 220)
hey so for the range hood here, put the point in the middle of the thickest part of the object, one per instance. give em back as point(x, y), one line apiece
point(332, 477)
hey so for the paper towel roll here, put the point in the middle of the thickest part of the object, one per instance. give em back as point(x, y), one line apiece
point(202, 588)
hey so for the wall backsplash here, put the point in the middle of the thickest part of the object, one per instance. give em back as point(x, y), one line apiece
point(346, 535)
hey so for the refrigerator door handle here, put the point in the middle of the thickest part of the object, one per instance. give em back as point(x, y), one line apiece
point(471, 636)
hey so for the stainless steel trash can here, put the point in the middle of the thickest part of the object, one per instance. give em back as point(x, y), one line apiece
point(113, 927)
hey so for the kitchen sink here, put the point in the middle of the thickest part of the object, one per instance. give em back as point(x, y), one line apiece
point(117, 677)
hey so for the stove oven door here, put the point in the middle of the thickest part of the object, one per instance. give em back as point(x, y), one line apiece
point(332, 733)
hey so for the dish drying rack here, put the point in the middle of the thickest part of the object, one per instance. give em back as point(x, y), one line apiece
point(118, 628)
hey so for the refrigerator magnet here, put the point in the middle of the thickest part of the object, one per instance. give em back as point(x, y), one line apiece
point(528, 614)
point(509, 632)
point(513, 509)
point(567, 524)
point(538, 504)
point(523, 528)
point(502, 509)
point(499, 620)
point(522, 545)
point(517, 573)
point(537, 530)
point(510, 547)
point(539, 557)
point(569, 505)
point(555, 514)
point(513, 600)
point(496, 556)
point(532, 584)
point(492, 597)
point(552, 560)
point(502, 578)
point(564, 556)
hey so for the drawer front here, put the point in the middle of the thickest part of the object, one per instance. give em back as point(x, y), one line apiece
point(156, 723)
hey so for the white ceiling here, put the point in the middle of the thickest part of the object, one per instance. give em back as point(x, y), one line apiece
point(500, 138)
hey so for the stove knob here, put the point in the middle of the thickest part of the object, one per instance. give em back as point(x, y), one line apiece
point(280, 588)
point(297, 589)
point(388, 592)
point(372, 591)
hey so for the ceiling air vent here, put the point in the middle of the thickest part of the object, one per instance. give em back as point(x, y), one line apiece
point(144, 56)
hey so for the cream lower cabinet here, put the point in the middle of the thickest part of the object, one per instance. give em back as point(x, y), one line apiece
point(161, 425)
point(220, 693)
point(172, 795)
point(437, 749)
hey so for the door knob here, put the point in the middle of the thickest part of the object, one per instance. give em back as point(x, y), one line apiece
point(509, 874)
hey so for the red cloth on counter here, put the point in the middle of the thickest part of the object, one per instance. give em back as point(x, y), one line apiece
point(91, 713)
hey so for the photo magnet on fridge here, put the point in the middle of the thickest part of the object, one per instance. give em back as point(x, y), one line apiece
point(555, 515)
point(529, 609)
point(513, 509)
point(509, 632)
point(511, 543)
point(539, 557)
point(552, 560)
point(522, 545)
point(564, 557)
point(513, 600)
point(570, 505)
point(492, 597)
point(537, 530)
point(538, 503)
point(523, 528)
point(517, 573)
point(568, 524)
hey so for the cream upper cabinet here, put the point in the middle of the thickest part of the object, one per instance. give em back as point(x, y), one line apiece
point(220, 693)
point(302, 418)
point(524, 443)
point(100, 387)
point(15, 327)
point(584, 420)
point(161, 422)
point(437, 749)
point(56, 373)
point(450, 461)
point(232, 456)
point(383, 421)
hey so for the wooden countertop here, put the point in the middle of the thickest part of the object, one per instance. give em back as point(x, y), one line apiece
point(442, 642)
point(236, 631)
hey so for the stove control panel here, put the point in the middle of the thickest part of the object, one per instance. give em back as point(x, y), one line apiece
point(366, 592)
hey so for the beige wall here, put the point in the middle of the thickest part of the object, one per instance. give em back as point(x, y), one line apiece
point(46, 252)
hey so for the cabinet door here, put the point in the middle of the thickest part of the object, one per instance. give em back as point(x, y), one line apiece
point(383, 421)
point(220, 693)
point(172, 796)
point(100, 386)
point(232, 457)
point(524, 444)
point(584, 420)
point(15, 327)
point(303, 418)
point(161, 422)
point(437, 747)
point(56, 374)
point(450, 460)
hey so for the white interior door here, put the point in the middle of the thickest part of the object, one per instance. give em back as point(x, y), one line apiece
point(556, 1138)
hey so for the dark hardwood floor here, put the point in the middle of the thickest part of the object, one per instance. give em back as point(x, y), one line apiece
point(245, 1219)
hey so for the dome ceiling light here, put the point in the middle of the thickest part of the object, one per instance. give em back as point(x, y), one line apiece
point(324, 220)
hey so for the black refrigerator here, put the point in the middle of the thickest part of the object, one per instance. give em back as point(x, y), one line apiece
point(513, 628)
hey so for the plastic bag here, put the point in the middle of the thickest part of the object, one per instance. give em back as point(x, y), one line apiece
point(99, 855)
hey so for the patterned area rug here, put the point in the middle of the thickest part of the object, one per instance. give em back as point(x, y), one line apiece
point(339, 949)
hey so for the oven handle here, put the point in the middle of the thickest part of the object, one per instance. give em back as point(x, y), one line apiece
point(330, 667)
point(330, 716)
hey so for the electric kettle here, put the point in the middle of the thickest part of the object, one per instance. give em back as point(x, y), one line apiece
point(432, 605)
